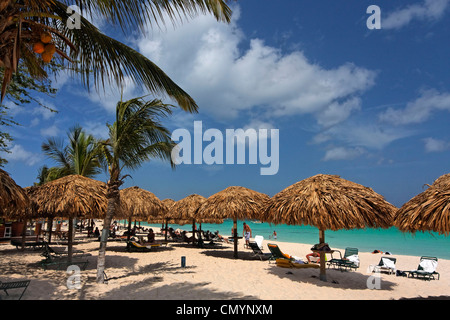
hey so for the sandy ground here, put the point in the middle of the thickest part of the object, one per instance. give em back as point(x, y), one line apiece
point(211, 273)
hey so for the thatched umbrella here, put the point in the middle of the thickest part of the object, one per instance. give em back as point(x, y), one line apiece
point(427, 211)
point(186, 210)
point(237, 203)
point(72, 196)
point(14, 201)
point(165, 216)
point(329, 202)
point(139, 204)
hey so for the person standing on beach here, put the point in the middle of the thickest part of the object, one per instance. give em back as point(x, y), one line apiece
point(247, 234)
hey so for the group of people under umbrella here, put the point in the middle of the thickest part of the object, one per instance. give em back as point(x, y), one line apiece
point(327, 202)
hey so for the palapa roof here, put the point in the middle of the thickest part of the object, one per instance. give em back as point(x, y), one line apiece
point(14, 202)
point(168, 203)
point(427, 211)
point(140, 204)
point(238, 203)
point(185, 210)
point(329, 202)
point(70, 196)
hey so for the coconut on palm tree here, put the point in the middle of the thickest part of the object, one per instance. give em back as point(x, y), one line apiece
point(135, 137)
point(35, 31)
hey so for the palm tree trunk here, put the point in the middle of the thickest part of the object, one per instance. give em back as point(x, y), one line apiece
point(113, 200)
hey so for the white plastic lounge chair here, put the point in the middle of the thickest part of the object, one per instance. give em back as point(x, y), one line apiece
point(259, 241)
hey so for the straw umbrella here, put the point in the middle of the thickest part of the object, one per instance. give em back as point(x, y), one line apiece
point(14, 201)
point(329, 202)
point(185, 210)
point(237, 203)
point(73, 196)
point(139, 204)
point(427, 211)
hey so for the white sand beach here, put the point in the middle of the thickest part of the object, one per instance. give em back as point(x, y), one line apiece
point(212, 273)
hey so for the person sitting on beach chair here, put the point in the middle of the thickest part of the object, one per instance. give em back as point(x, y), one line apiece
point(174, 235)
point(151, 236)
point(186, 238)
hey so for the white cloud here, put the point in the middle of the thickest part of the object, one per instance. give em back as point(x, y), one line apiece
point(341, 153)
point(365, 135)
point(419, 110)
point(51, 131)
point(429, 10)
point(435, 145)
point(18, 153)
point(111, 95)
point(207, 60)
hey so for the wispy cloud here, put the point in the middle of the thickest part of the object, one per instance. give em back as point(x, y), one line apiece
point(419, 110)
point(18, 153)
point(429, 10)
point(436, 145)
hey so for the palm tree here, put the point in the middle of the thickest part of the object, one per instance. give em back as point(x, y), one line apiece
point(80, 156)
point(34, 30)
point(135, 137)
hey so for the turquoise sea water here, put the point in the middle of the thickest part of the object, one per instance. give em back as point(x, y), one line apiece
point(366, 240)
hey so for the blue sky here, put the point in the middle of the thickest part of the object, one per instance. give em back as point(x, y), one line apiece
point(369, 105)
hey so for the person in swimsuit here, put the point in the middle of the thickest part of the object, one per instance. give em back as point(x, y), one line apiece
point(247, 234)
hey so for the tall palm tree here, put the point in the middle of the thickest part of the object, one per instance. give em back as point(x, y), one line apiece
point(135, 137)
point(88, 51)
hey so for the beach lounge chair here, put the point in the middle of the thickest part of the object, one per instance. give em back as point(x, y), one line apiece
point(277, 254)
point(426, 269)
point(133, 246)
point(5, 286)
point(386, 263)
point(62, 263)
point(349, 261)
point(259, 241)
point(59, 253)
point(257, 251)
point(286, 263)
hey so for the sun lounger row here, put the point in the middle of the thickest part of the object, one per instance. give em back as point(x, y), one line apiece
point(350, 261)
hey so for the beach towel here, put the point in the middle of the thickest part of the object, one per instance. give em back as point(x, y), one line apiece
point(353, 258)
point(428, 265)
point(388, 263)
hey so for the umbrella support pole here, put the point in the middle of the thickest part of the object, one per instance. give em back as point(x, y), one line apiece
point(235, 241)
point(323, 275)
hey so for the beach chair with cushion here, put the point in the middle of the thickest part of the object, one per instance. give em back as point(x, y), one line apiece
point(285, 263)
point(386, 264)
point(349, 261)
point(133, 246)
point(426, 269)
point(257, 251)
point(277, 253)
point(5, 286)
